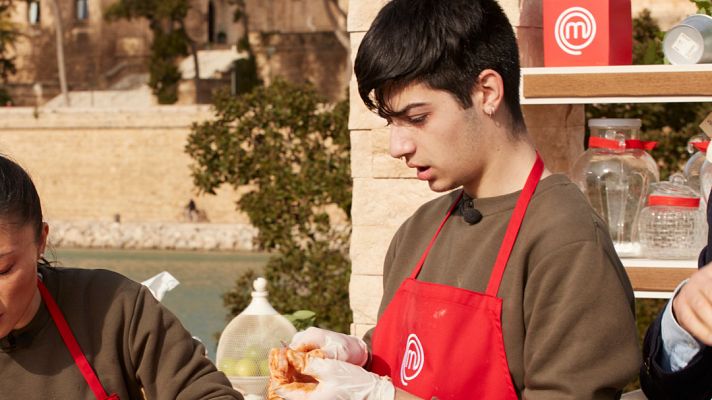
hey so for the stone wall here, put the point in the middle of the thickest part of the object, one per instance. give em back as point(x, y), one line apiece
point(104, 165)
point(152, 235)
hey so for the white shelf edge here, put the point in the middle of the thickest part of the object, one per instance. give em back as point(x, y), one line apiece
point(652, 295)
point(613, 100)
point(653, 263)
point(616, 69)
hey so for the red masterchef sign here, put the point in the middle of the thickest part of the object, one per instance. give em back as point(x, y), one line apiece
point(593, 32)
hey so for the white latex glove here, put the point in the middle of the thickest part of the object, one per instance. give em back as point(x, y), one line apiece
point(339, 380)
point(334, 345)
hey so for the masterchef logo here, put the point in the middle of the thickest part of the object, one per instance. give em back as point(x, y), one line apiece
point(413, 360)
point(575, 30)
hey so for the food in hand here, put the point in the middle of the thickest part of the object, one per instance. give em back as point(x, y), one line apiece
point(287, 370)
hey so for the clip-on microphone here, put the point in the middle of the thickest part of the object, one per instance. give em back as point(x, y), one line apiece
point(469, 213)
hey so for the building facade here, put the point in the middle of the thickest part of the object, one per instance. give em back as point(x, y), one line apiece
point(293, 38)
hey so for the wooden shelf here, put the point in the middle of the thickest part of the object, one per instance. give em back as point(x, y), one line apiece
point(626, 84)
point(657, 278)
point(617, 84)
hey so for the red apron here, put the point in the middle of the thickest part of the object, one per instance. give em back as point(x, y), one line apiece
point(444, 341)
point(71, 342)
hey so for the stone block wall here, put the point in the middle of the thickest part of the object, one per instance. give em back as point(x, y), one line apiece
point(385, 191)
point(97, 164)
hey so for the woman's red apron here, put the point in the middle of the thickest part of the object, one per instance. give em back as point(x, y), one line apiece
point(444, 341)
point(71, 342)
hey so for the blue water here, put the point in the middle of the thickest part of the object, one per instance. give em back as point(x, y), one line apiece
point(203, 276)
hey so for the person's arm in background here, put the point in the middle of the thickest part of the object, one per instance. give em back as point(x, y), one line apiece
point(168, 362)
point(677, 357)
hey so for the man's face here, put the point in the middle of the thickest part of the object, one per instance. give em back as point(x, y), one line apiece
point(434, 135)
point(19, 297)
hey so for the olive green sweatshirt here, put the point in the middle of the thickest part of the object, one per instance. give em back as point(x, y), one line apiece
point(568, 307)
point(133, 343)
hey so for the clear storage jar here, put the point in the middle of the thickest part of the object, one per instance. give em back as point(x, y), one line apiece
point(706, 179)
point(615, 174)
point(672, 225)
point(697, 147)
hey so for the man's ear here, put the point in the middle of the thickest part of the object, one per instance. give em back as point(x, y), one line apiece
point(491, 91)
point(42, 245)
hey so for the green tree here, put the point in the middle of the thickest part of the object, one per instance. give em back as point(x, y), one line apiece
point(245, 68)
point(703, 6)
point(8, 36)
point(166, 19)
point(290, 152)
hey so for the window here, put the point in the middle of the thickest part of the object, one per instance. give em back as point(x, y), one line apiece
point(82, 7)
point(33, 12)
point(211, 22)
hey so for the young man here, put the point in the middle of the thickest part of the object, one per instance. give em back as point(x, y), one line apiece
point(508, 285)
point(677, 353)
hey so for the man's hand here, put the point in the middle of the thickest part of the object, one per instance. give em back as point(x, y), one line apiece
point(339, 380)
point(692, 306)
point(334, 345)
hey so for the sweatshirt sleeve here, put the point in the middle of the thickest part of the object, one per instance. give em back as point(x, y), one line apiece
point(168, 362)
point(581, 341)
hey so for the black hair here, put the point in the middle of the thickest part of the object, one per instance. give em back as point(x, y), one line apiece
point(444, 44)
point(19, 201)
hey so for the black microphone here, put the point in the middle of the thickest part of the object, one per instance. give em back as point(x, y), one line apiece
point(469, 213)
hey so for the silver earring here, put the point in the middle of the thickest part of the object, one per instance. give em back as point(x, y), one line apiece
point(489, 111)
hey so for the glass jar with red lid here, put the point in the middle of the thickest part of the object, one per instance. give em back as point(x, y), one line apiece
point(672, 225)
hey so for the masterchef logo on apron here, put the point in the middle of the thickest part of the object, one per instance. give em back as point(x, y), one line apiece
point(413, 359)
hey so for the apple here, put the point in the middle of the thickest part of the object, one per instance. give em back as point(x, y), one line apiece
point(247, 367)
point(264, 367)
point(228, 366)
point(254, 352)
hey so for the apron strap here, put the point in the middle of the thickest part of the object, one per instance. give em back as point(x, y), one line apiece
point(515, 223)
point(418, 267)
point(79, 359)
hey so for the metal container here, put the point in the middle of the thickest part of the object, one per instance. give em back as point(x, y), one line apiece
point(690, 41)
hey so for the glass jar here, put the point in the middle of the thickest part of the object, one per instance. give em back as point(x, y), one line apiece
point(615, 174)
point(706, 177)
point(673, 225)
point(706, 180)
point(697, 147)
point(244, 345)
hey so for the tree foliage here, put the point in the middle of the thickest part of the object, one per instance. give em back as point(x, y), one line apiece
point(8, 36)
point(166, 19)
point(703, 6)
point(290, 153)
point(670, 124)
point(245, 68)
